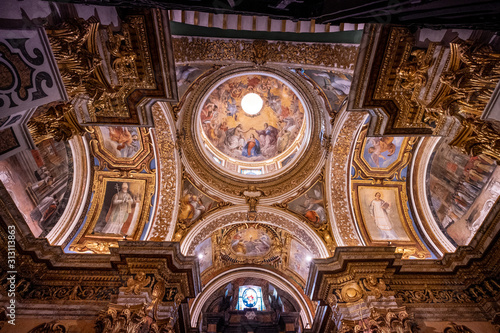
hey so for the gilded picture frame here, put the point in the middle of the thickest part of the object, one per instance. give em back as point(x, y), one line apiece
point(117, 211)
point(383, 216)
point(136, 153)
point(366, 169)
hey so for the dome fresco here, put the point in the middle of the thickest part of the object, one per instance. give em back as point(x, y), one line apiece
point(271, 133)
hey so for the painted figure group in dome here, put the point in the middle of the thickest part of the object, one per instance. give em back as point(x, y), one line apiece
point(252, 137)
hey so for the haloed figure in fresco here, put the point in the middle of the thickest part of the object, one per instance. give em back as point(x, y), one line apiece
point(379, 210)
point(120, 212)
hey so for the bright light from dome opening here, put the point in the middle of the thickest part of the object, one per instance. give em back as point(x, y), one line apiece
point(251, 103)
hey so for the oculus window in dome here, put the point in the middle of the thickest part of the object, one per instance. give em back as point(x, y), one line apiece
point(252, 124)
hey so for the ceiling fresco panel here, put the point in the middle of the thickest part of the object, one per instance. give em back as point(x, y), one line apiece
point(122, 148)
point(193, 204)
point(383, 217)
point(335, 85)
point(119, 209)
point(382, 157)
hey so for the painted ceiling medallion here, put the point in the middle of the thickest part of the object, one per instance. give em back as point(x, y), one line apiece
point(251, 123)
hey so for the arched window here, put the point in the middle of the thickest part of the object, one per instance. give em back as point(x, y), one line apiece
point(250, 297)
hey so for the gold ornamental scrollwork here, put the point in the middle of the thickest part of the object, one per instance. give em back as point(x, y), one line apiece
point(136, 283)
point(382, 320)
point(57, 121)
point(106, 72)
point(338, 179)
point(470, 84)
point(351, 292)
point(477, 137)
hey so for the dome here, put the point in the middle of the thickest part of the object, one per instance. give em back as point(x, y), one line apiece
point(251, 124)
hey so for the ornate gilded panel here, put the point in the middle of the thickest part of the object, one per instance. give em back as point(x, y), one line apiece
point(261, 52)
point(382, 157)
point(27, 70)
point(124, 148)
point(119, 210)
point(110, 75)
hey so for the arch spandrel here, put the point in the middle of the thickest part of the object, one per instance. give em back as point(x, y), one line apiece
point(228, 184)
point(266, 215)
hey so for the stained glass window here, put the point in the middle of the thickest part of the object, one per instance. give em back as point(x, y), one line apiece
point(250, 297)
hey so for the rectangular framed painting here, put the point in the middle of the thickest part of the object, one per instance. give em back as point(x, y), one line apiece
point(381, 211)
point(119, 209)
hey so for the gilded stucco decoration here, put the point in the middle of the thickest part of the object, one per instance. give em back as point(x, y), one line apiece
point(261, 52)
point(123, 148)
point(471, 85)
point(422, 91)
point(159, 314)
point(226, 184)
point(169, 176)
point(107, 73)
point(120, 208)
point(405, 85)
point(467, 88)
point(343, 227)
point(351, 292)
point(382, 320)
point(57, 121)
